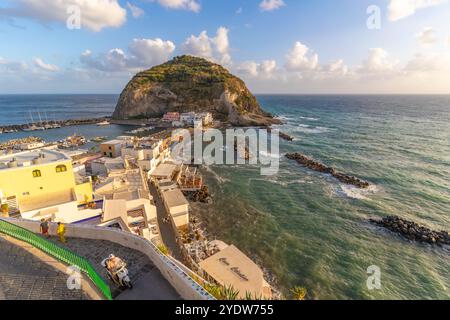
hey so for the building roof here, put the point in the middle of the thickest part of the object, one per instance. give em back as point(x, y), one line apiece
point(174, 198)
point(231, 266)
point(131, 195)
point(164, 170)
point(115, 141)
point(25, 158)
point(113, 209)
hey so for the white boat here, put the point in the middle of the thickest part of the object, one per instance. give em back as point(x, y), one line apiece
point(31, 128)
point(103, 123)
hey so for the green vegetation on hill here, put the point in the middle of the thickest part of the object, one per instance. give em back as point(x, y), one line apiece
point(184, 84)
point(186, 68)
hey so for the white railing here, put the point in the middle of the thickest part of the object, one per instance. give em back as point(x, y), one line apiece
point(180, 280)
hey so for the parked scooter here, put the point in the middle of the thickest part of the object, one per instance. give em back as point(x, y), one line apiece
point(117, 271)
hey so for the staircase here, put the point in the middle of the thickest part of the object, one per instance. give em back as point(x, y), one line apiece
point(13, 206)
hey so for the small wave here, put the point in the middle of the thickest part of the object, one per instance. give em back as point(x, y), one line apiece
point(276, 181)
point(301, 125)
point(357, 193)
point(216, 175)
point(264, 154)
point(311, 130)
point(310, 118)
point(284, 117)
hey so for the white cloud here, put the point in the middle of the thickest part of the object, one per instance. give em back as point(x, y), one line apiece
point(38, 62)
point(427, 36)
point(378, 63)
point(268, 67)
point(264, 70)
point(148, 52)
point(427, 63)
point(399, 9)
point(136, 12)
point(215, 49)
point(96, 14)
point(270, 5)
point(299, 58)
point(12, 66)
point(191, 5)
point(223, 45)
point(249, 68)
point(143, 54)
point(336, 68)
point(199, 45)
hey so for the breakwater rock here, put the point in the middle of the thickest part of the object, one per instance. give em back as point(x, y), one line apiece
point(286, 137)
point(413, 231)
point(11, 144)
point(320, 167)
point(282, 135)
point(48, 125)
point(202, 195)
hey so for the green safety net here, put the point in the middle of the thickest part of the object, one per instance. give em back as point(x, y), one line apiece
point(57, 252)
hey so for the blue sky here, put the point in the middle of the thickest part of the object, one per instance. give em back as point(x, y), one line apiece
point(280, 46)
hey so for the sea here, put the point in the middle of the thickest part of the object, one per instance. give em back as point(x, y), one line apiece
point(307, 228)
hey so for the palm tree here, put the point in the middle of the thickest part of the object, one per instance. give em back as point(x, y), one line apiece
point(5, 208)
point(222, 292)
point(299, 293)
point(228, 293)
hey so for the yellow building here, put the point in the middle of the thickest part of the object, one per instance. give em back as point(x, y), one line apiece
point(112, 149)
point(41, 178)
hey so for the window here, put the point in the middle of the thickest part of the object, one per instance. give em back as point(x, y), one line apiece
point(37, 173)
point(61, 168)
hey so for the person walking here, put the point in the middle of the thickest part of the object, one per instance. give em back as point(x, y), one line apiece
point(61, 231)
point(44, 228)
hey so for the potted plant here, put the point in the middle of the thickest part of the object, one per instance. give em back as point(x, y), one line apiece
point(5, 208)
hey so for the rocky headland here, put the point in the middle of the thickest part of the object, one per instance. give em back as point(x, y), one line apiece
point(186, 84)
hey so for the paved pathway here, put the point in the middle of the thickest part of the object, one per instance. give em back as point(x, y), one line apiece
point(23, 276)
point(149, 284)
point(166, 230)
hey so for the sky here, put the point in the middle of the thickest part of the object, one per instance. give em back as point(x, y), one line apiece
point(276, 46)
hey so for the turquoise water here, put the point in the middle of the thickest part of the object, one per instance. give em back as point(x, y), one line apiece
point(307, 228)
point(310, 230)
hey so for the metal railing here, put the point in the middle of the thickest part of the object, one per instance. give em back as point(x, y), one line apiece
point(57, 252)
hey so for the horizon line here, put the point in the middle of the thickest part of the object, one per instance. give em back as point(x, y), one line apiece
point(256, 94)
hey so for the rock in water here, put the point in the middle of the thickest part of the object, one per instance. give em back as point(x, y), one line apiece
point(186, 84)
point(320, 167)
point(413, 231)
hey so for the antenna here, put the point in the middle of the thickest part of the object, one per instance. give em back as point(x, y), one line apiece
point(31, 117)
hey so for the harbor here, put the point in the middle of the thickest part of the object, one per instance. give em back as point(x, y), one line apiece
point(49, 125)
